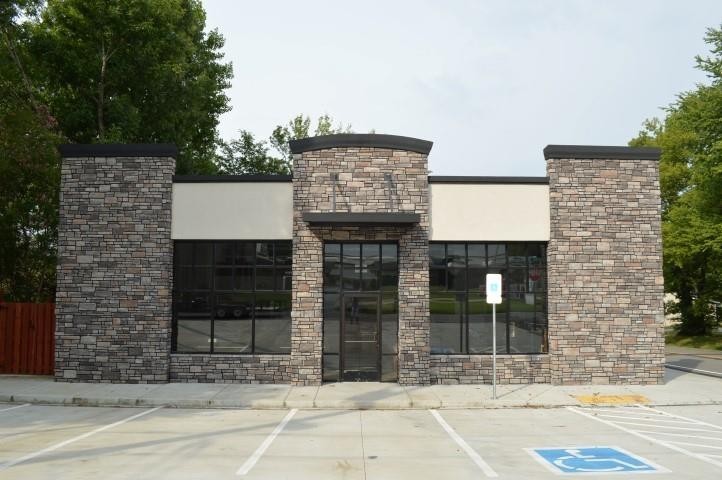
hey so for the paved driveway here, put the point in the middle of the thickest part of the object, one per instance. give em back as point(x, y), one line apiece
point(698, 360)
point(38, 442)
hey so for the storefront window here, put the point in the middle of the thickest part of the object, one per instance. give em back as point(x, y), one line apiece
point(232, 297)
point(461, 320)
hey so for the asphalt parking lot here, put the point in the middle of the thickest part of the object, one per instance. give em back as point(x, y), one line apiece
point(95, 442)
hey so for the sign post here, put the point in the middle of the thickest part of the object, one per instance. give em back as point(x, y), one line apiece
point(493, 296)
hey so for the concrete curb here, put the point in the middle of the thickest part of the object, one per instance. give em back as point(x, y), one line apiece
point(58, 400)
point(693, 370)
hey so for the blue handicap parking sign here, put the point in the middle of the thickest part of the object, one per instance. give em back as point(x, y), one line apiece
point(590, 460)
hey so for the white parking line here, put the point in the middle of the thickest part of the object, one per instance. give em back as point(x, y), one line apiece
point(488, 471)
point(51, 448)
point(697, 445)
point(667, 414)
point(669, 444)
point(16, 406)
point(644, 419)
point(248, 465)
point(693, 429)
point(634, 410)
point(684, 435)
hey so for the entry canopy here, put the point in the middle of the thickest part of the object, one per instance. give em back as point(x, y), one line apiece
point(345, 219)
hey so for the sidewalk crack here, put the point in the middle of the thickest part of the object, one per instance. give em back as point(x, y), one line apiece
point(363, 449)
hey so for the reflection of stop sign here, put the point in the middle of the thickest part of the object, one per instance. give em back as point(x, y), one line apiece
point(534, 275)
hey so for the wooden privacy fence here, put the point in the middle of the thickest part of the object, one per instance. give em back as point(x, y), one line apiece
point(27, 338)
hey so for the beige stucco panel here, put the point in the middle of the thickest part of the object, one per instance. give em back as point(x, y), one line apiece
point(461, 211)
point(233, 210)
point(244, 210)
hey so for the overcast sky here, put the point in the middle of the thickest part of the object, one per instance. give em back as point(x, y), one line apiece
point(489, 82)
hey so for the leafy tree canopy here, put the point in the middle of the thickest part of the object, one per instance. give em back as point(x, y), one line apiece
point(29, 180)
point(133, 71)
point(247, 155)
point(29, 169)
point(94, 71)
point(691, 183)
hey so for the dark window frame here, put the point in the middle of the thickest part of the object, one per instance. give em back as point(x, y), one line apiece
point(212, 293)
point(505, 290)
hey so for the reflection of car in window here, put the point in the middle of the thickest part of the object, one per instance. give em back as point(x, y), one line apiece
point(232, 311)
point(199, 304)
point(192, 307)
point(270, 309)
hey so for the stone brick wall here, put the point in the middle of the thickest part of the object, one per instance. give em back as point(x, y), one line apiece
point(113, 302)
point(475, 369)
point(361, 187)
point(605, 271)
point(202, 368)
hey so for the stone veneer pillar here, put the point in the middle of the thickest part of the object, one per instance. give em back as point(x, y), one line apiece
point(361, 161)
point(115, 255)
point(605, 266)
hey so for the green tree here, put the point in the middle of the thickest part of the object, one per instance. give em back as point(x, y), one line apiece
point(247, 155)
point(29, 169)
point(691, 184)
point(134, 71)
point(30, 173)
point(300, 127)
point(94, 71)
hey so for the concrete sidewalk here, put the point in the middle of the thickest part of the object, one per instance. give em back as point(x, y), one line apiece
point(681, 389)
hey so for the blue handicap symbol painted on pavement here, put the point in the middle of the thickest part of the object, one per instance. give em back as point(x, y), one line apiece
point(593, 460)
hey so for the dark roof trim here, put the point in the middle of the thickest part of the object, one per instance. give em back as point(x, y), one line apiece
point(77, 150)
point(364, 219)
point(264, 178)
point(592, 151)
point(230, 178)
point(369, 140)
point(498, 180)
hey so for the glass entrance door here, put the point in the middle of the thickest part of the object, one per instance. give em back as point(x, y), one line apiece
point(360, 311)
point(360, 355)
